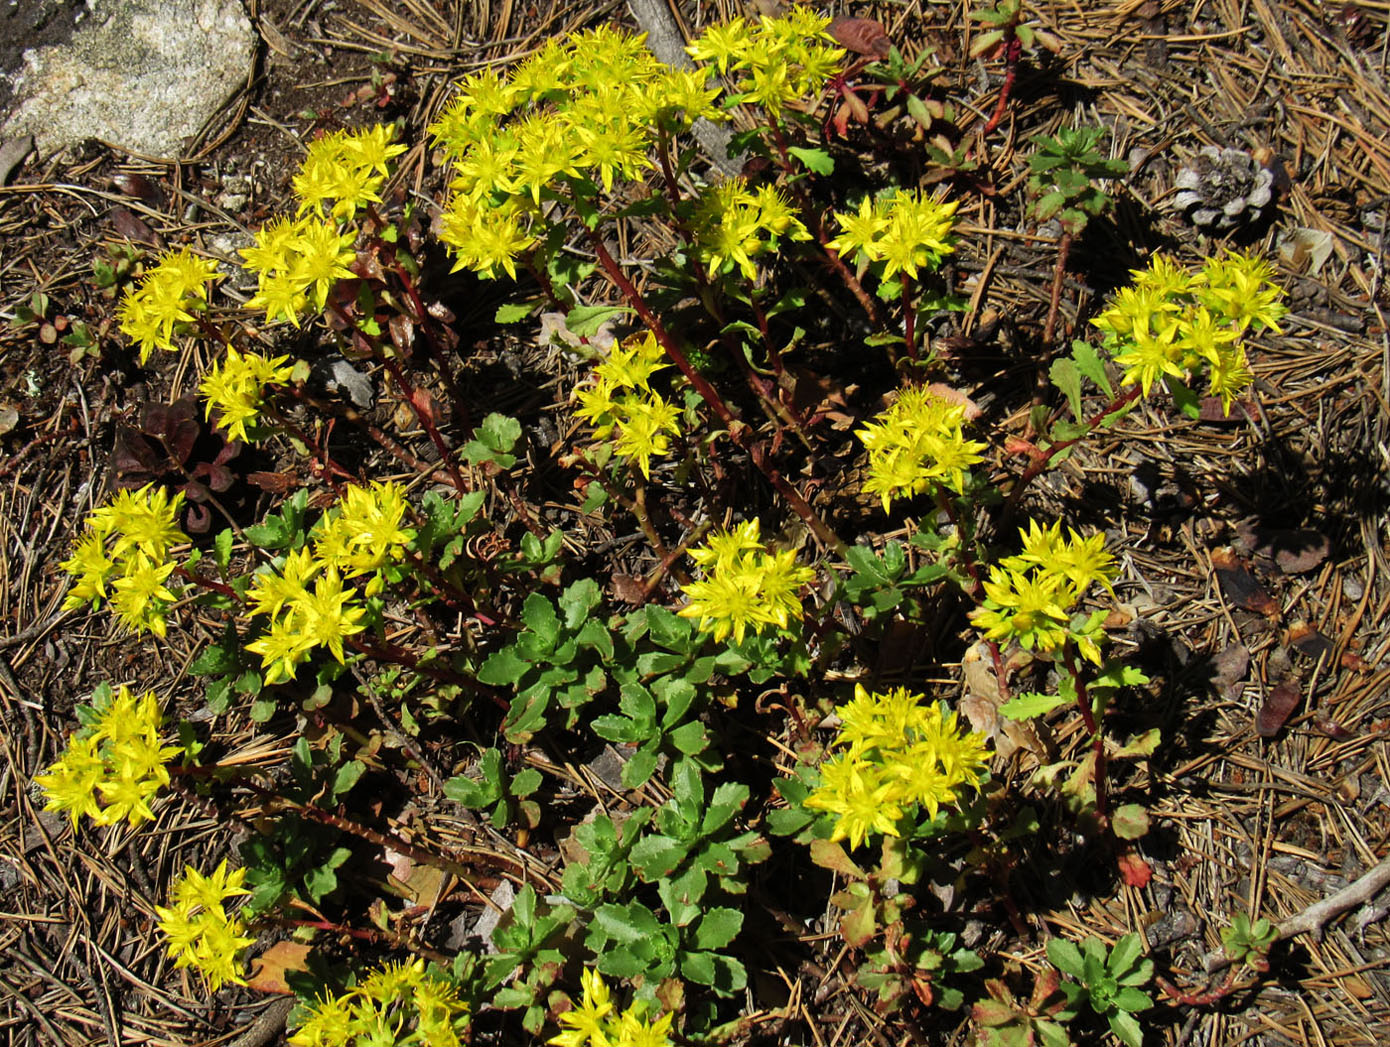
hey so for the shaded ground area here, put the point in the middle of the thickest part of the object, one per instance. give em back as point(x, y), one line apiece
point(1287, 499)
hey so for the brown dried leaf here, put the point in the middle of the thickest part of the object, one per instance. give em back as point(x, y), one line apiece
point(1228, 669)
point(1239, 585)
point(863, 36)
point(979, 704)
point(269, 968)
point(1303, 638)
point(1277, 707)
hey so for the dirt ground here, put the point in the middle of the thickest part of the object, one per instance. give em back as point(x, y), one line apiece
point(1297, 483)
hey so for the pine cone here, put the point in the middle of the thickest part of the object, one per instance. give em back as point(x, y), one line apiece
point(1223, 188)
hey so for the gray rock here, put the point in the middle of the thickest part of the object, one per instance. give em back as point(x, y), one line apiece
point(142, 75)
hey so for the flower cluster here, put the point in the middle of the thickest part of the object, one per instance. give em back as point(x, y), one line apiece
point(733, 225)
point(399, 1005)
point(777, 61)
point(171, 294)
point(305, 596)
point(587, 109)
point(900, 752)
point(904, 230)
point(235, 388)
point(201, 934)
point(1029, 597)
point(297, 261)
point(595, 1023)
point(127, 543)
point(1173, 322)
point(621, 401)
point(917, 444)
point(115, 756)
point(346, 169)
point(744, 584)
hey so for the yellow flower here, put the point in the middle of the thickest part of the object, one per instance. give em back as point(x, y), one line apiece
point(170, 295)
point(200, 933)
point(917, 444)
point(751, 587)
point(117, 755)
point(898, 751)
point(235, 388)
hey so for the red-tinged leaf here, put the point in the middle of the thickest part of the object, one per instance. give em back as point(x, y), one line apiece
point(268, 970)
point(139, 187)
point(1277, 707)
point(830, 855)
point(423, 402)
point(839, 122)
point(954, 396)
point(1135, 870)
point(1239, 585)
point(858, 925)
point(1332, 728)
point(1294, 550)
point(132, 228)
point(275, 483)
point(1130, 821)
point(1213, 409)
point(863, 36)
point(402, 334)
point(1353, 661)
point(1303, 551)
point(1303, 638)
point(629, 588)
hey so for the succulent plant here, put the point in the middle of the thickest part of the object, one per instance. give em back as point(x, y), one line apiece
point(1221, 189)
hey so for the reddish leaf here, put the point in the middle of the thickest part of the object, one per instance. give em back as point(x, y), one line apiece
point(268, 970)
point(133, 228)
point(275, 483)
point(1240, 586)
point(1277, 707)
point(1294, 550)
point(1135, 870)
point(1303, 638)
point(1212, 409)
point(863, 36)
point(1332, 728)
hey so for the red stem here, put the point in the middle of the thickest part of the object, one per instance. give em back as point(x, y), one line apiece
point(1013, 50)
point(737, 430)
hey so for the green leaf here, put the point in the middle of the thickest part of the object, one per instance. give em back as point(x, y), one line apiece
point(619, 729)
point(513, 312)
point(1066, 377)
point(718, 927)
point(817, 160)
point(1126, 950)
point(585, 320)
point(640, 766)
point(502, 668)
point(525, 781)
point(222, 547)
point(1130, 822)
point(217, 660)
point(539, 616)
point(578, 602)
point(1066, 957)
point(346, 777)
point(657, 856)
point(262, 709)
point(1140, 745)
point(1089, 363)
point(1030, 705)
point(1188, 402)
point(1126, 1029)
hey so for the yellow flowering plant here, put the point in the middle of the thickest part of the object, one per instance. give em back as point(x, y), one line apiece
point(451, 612)
point(115, 764)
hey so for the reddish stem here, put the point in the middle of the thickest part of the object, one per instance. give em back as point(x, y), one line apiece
point(737, 430)
point(1088, 717)
point(1059, 272)
point(1013, 51)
